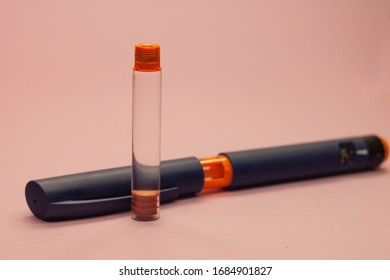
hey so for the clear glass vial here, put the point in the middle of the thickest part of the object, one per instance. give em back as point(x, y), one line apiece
point(146, 133)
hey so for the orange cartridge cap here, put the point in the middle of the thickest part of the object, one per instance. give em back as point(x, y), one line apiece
point(147, 57)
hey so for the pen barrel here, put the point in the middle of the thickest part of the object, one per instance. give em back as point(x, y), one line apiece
point(304, 161)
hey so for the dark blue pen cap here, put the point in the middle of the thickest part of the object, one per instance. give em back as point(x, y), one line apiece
point(106, 191)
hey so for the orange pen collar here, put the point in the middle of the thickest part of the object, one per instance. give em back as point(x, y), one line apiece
point(385, 147)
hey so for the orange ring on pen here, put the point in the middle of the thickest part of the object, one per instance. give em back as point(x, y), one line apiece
point(218, 172)
point(385, 147)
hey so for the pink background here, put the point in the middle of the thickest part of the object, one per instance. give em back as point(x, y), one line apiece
point(236, 75)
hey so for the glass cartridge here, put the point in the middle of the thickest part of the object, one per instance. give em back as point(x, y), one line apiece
point(146, 133)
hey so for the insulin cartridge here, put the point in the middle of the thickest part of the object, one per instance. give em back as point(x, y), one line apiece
point(146, 133)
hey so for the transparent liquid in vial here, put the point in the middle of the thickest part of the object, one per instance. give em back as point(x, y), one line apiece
point(146, 145)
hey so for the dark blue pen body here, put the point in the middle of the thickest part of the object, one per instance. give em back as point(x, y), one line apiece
point(293, 162)
point(108, 191)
